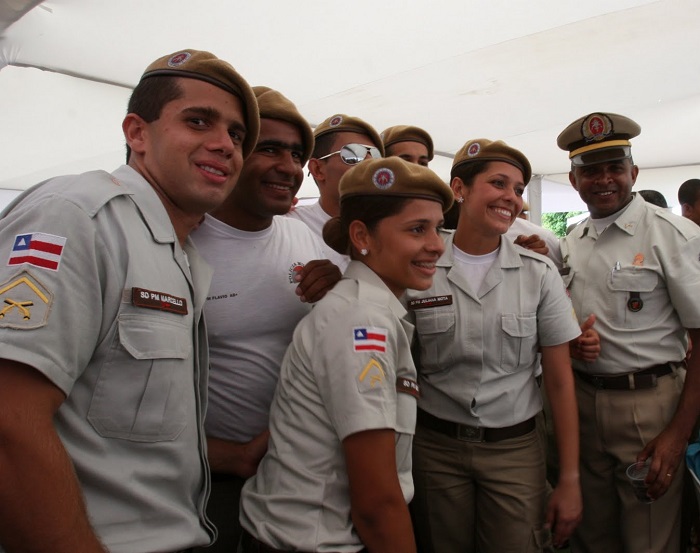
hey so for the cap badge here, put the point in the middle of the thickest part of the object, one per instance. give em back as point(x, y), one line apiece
point(337, 120)
point(383, 178)
point(596, 127)
point(178, 59)
point(474, 149)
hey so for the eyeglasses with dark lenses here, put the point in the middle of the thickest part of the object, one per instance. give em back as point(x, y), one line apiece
point(352, 154)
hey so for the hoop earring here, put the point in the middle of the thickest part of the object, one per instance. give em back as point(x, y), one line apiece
point(364, 251)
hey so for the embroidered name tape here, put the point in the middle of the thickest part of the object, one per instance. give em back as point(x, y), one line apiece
point(161, 301)
point(367, 338)
point(435, 301)
point(407, 386)
point(38, 249)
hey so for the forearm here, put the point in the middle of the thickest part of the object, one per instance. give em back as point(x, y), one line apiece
point(41, 504)
point(386, 527)
point(559, 386)
point(240, 459)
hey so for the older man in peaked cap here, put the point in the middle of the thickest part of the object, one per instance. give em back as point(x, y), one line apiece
point(103, 345)
point(637, 268)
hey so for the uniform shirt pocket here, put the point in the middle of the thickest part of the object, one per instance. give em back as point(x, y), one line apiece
point(642, 283)
point(519, 340)
point(143, 388)
point(435, 328)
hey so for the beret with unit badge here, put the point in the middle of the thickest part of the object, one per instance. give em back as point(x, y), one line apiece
point(598, 137)
point(392, 177)
point(346, 123)
point(482, 149)
point(408, 133)
point(274, 105)
point(205, 66)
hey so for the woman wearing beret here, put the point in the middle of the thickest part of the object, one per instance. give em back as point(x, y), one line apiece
point(479, 467)
point(337, 474)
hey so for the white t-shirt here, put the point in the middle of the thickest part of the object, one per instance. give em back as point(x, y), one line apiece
point(251, 312)
point(314, 217)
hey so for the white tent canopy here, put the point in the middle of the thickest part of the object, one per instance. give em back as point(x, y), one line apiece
point(461, 69)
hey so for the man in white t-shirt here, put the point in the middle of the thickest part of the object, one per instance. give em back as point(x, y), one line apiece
point(341, 142)
point(264, 278)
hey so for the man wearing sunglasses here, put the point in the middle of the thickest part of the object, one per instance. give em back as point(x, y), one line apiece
point(259, 261)
point(341, 142)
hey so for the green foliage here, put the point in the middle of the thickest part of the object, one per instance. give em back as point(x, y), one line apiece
point(556, 222)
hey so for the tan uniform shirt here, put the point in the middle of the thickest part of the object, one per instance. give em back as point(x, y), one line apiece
point(641, 278)
point(478, 350)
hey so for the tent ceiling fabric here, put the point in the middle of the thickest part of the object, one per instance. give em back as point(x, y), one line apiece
point(458, 68)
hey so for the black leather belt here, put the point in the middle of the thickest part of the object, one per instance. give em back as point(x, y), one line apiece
point(250, 544)
point(468, 433)
point(640, 380)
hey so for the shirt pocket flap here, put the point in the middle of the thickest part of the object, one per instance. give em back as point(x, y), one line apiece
point(633, 280)
point(519, 326)
point(434, 320)
point(154, 337)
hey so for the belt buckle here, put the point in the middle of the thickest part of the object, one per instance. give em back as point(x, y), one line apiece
point(467, 433)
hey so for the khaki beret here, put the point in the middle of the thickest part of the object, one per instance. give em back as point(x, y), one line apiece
point(204, 66)
point(392, 176)
point(388, 177)
point(345, 123)
point(482, 149)
point(407, 133)
point(273, 105)
point(598, 137)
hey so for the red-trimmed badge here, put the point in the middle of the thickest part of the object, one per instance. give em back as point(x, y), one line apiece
point(596, 127)
point(383, 178)
point(294, 270)
point(179, 59)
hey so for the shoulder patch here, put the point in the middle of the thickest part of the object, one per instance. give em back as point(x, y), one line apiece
point(25, 302)
point(371, 377)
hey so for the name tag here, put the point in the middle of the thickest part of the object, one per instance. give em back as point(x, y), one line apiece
point(407, 386)
point(162, 301)
point(435, 301)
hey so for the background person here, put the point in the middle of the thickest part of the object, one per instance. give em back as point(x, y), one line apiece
point(689, 198)
point(337, 474)
point(103, 376)
point(479, 467)
point(410, 143)
point(637, 268)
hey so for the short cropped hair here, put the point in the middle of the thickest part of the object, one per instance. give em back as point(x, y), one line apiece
point(688, 192)
point(150, 96)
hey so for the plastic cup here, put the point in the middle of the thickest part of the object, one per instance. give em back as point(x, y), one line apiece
point(636, 473)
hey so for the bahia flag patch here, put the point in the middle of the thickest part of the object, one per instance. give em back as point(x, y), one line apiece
point(39, 249)
point(366, 338)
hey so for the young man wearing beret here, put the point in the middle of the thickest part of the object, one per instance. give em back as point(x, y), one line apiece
point(341, 141)
point(103, 376)
point(253, 306)
point(637, 268)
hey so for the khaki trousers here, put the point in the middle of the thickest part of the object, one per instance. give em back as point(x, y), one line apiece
point(485, 497)
point(615, 427)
